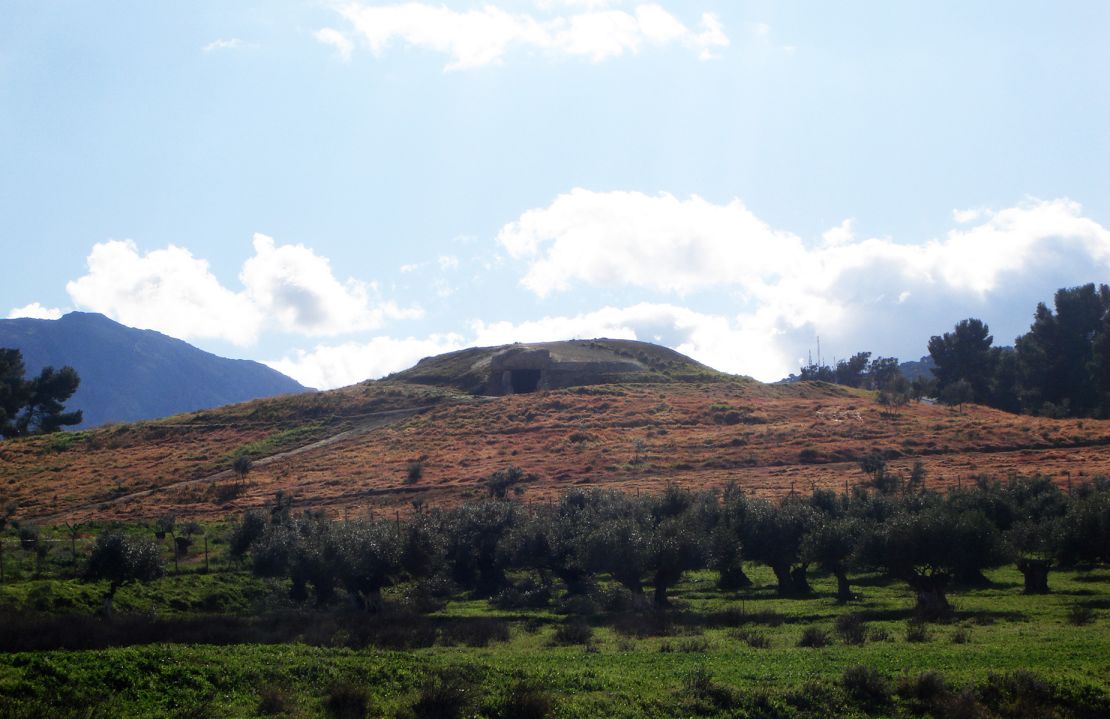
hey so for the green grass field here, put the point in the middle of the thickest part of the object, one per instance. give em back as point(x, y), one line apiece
point(713, 654)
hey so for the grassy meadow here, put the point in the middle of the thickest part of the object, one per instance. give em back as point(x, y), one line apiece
point(224, 643)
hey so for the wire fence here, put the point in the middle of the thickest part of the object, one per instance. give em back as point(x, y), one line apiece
point(23, 559)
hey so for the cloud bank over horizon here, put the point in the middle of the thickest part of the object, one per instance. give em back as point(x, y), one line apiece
point(713, 281)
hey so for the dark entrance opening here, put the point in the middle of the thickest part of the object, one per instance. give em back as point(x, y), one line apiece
point(524, 380)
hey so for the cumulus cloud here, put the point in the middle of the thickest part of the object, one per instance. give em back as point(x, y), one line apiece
point(287, 287)
point(331, 366)
point(653, 241)
point(342, 44)
point(872, 293)
point(295, 287)
point(167, 289)
point(35, 311)
point(483, 36)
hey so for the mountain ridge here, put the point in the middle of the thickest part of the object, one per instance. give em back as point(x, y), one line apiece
point(130, 374)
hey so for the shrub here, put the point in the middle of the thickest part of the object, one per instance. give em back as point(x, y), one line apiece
point(866, 686)
point(1080, 615)
point(526, 699)
point(274, 699)
point(573, 632)
point(1020, 694)
point(698, 686)
point(525, 595)
point(851, 628)
point(927, 691)
point(225, 493)
point(414, 472)
point(809, 455)
point(446, 696)
point(879, 634)
point(916, 631)
point(693, 645)
point(755, 640)
point(347, 701)
point(814, 637)
point(477, 632)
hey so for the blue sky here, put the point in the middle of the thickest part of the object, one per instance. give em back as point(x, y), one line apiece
point(341, 188)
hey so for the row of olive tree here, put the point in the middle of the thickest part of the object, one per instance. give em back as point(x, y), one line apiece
point(929, 540)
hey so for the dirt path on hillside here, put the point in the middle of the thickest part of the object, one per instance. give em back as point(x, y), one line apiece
point(374, 421)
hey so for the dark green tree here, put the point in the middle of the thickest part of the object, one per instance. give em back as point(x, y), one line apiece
point(773, 535)
point(831, 545)
point(1060, 355)
point(851, 371)
point(964, 354)
point(35, 406)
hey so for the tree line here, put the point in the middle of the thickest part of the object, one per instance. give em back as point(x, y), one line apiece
point(932, 541)
point(1059, 368)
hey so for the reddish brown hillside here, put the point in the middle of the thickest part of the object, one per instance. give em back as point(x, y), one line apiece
point(352, 449)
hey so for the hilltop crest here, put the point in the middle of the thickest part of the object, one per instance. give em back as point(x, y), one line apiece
point(528, 367)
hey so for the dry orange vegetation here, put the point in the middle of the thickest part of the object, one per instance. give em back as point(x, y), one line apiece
point(355, 448)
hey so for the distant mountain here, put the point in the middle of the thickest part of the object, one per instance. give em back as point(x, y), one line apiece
point(129, 374)
point(922, 368)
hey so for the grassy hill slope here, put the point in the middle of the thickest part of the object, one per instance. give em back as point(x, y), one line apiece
point(383, 445)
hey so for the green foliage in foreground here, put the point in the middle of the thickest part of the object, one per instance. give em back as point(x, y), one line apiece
point(701, 658)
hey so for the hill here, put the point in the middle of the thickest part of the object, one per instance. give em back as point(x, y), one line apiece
point(385, 445)
point(129, 374)
point(522, 368)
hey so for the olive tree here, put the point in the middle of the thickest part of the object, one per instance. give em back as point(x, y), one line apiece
point(120, 559)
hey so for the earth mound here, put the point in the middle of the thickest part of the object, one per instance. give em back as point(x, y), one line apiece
point(523, 368)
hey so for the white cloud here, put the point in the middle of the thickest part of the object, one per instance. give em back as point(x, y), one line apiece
point(230, 43)
point(657, 242)
point(342, 44)
point(842, 234)
point(970, 215)
point(288, 287)
point(874, 294)
point(295, 288)
point(35, 311)
point(484, 36)
point(331, 366)
point(168, 290)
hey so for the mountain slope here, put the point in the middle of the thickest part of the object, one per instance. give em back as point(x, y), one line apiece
point(353, 450)
point(129, 374)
